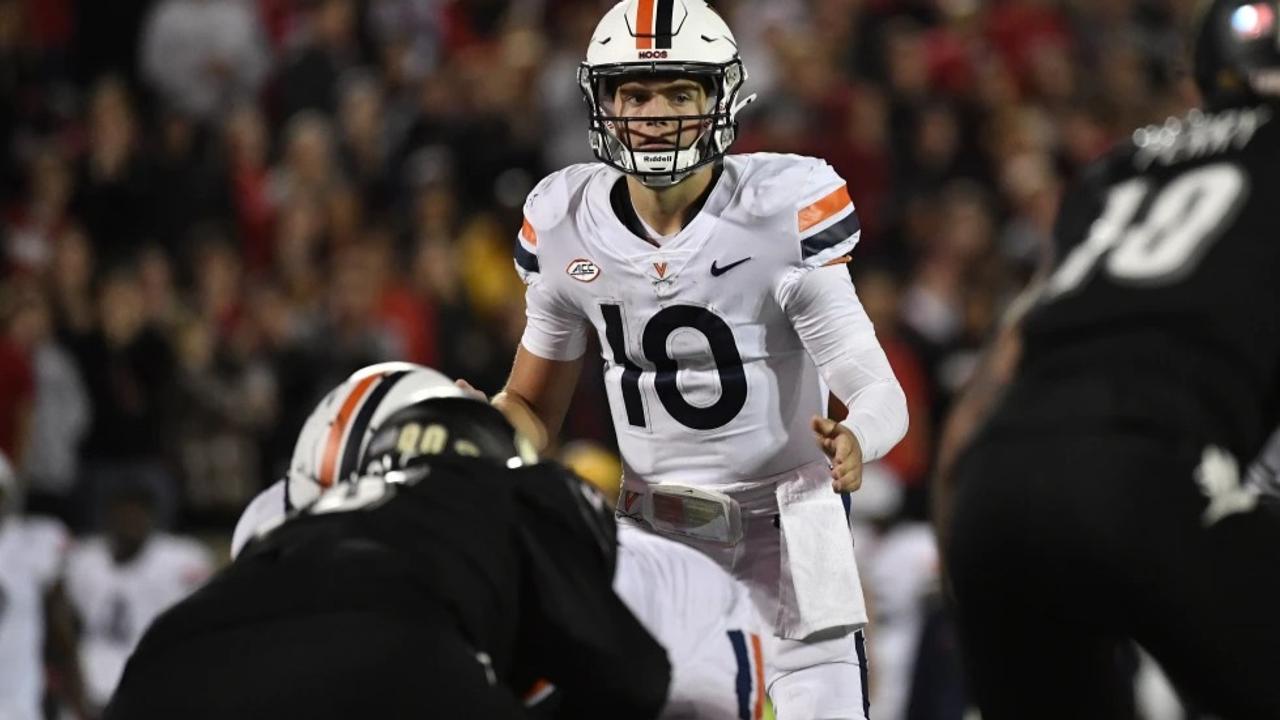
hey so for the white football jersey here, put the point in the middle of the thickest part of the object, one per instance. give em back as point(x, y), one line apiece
point(116, 603)
point(31, 557)
point(708, 382)
point(702, 617)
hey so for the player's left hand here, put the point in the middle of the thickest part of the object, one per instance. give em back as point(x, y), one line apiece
point(841, 447)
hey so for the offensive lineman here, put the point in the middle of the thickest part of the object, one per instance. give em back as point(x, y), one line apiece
point(1103, 500)
point(716, 286)
point(444, 577)
point(700, 615)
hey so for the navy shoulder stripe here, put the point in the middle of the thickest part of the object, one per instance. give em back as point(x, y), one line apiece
point(525, 259)
point(832, 236)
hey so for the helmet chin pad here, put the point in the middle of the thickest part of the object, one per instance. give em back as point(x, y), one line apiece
point(653, 168)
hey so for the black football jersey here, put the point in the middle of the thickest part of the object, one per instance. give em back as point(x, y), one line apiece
point(1162, 308)
point(519, 561)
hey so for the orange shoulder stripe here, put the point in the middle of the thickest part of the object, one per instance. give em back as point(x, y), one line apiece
point(528, 233)
point(834, 202)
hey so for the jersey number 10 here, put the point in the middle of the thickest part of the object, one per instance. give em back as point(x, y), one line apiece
point(724, 350)
point(1182, 221)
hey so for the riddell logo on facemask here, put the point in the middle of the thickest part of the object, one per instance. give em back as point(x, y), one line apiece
point(653, 54)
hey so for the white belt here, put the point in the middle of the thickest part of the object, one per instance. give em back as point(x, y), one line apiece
point(691, 512)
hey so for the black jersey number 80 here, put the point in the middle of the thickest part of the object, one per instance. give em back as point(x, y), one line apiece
point(1182, 221)
point(653, 341)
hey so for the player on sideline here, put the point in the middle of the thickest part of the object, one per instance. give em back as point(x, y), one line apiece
point(439, 576)
point(1103, 498)
point(35, 616)
point(716, 286)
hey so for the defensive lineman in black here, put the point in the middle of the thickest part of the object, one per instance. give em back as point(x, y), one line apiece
point(440, 585)
point(1103, 498)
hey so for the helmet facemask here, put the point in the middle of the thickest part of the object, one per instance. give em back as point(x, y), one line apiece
point(613, 134)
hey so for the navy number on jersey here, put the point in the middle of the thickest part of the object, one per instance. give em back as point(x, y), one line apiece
point(1162, 245)
point(653, 341)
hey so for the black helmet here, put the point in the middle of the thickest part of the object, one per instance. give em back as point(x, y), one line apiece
point(1237, 51)
point(444, 427)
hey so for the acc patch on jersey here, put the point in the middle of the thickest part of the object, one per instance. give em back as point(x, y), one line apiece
point(583, 270)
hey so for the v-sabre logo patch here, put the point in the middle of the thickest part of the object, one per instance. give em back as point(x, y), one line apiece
point(583, 270)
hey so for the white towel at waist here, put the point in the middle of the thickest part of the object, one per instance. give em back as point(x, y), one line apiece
point(818, 587)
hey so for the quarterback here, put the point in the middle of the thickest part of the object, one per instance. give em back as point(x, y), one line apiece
point(717, 288)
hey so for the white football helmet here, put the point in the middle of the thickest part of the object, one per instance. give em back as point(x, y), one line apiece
point(334, 437)
point(684, 38)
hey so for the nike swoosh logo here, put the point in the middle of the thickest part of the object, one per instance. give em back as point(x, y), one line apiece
point(718, 271)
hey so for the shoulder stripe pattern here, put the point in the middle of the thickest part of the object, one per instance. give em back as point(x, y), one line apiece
point(827, 223)
point(528, 234)
point(831, 205)
point(526, 248)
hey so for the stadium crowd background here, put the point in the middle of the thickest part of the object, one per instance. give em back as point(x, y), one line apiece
point(213, 210)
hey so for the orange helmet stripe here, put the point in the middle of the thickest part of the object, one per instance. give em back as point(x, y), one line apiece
point(644, 25)
point(329, 464)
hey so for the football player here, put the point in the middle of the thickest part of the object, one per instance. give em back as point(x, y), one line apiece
point(119, 582)
point(716, 286)
point(701, 616)
point(1103, 497)
point(442, 574)
point(33, 610)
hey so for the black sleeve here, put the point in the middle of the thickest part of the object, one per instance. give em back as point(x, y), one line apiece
point(575, 632)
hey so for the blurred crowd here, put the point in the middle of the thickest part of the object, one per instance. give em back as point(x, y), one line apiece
point(211, 211)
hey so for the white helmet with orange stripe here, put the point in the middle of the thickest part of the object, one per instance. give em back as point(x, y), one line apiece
point(662, 39)
point(334, 437)
point(336, 442)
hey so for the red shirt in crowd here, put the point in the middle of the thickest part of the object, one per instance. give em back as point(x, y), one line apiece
point(17, 391)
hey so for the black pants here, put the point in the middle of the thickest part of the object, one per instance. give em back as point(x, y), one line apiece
point(336, 665)
point(1065, 545)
